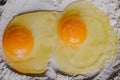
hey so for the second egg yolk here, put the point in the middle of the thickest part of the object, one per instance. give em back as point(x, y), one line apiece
point(72, 30)
point(18, 42)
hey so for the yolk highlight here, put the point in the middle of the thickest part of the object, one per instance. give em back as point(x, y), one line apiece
point(18, 42)
point(72, 30)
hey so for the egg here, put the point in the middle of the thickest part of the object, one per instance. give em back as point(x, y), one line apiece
point(28, 41)
point(85, 40)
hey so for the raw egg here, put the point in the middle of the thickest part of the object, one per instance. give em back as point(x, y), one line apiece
point(28, 41)
point(85, 40)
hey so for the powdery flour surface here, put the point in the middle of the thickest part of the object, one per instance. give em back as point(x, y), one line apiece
point(110, 7)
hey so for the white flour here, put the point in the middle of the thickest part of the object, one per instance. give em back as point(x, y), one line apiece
point(110, 7)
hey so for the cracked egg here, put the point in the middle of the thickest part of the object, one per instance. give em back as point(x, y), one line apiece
point(28, 41)
point(85, 41)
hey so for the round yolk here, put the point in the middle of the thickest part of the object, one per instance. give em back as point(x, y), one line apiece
point(18, 42)
point(72, 30)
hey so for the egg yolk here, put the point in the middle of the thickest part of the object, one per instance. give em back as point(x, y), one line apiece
point(17, 42)
point(72, 30)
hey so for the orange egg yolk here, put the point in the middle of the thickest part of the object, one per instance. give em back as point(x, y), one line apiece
point(17, 42)
point(72, 30)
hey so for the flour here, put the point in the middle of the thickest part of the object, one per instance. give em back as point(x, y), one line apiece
point(15, 7)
